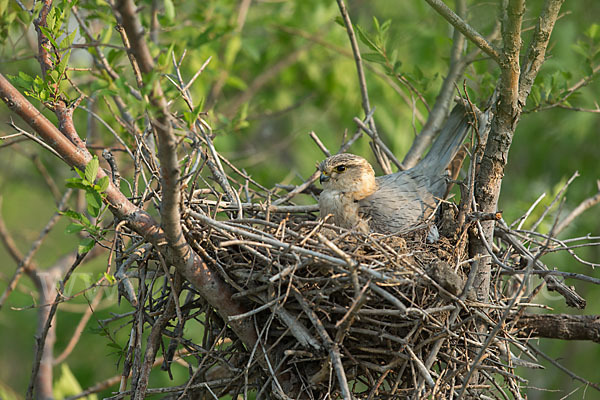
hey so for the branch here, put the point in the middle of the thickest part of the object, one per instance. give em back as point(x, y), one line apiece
point(442, 103)
point(464, 28)
point(493, 162)
point(25, 263)
point(587, 203)
point(167, 144)
point(560, 326)
point(536, 52)
point(208, 283)
point(381, 157)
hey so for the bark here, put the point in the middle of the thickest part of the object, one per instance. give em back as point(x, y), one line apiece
point(208, 283)
point(560, 326)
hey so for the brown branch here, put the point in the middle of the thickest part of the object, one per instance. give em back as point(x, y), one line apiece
point(208, 283)
point(572, 298)
point(560, 326)
point(381, 157)
point(24, 264)
point(153, 344)
point(332, 347)
point(167, 145)
point(45, 336)
point(562, 368)
point(536, 53)
point(79, 329)
point(442, 102)
point(464, 28)
point(493, 162)
point(587, 203)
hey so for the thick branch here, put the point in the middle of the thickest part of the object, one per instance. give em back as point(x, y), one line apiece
point(491, 171)
point(167, 144)
point(210, 286)
point(560, 326)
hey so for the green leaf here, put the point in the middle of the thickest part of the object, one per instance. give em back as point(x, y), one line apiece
point(73, 215)
point(68, 40)
point(593, 31)
point(74, 228)
point(385, 26)
point(85, 245)
point(231, 50)
point(77, 217)
point(94, 202)
point(75, 183)
point(169, 10)
point(164, 58)
point(376, 23)
point(64, 62)
point(91, 170)
point(79, 172)
point(24, 77)
point(113, 55)
point(48, 34)
point(340, 21)
point(236, 82)
point(374, 57)
point(67, 385)
point(103, 184)
point(110, 278)
point(362, 35)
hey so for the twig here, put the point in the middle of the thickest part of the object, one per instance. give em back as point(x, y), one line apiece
point(562, 368)
point(332, 347)
point(584, 205)
point(25, 262)
point(41, 340)
point(319, 144)
point(381, 158)
point(380, 144)
point(79, 329)
point(465, 29)
point(444, 98)
point(556, 198)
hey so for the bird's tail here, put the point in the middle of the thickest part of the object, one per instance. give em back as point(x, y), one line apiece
point(447, 144)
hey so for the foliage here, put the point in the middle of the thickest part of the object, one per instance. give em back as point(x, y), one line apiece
point(274, 74)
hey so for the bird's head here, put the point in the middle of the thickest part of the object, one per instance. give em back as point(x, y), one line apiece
point(348, 173)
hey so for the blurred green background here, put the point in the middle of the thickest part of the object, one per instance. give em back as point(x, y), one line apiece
point(278, 72)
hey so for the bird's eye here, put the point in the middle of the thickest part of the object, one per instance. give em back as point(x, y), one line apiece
point(340, 168)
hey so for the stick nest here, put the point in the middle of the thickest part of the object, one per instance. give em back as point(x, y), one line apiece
point(336, 311)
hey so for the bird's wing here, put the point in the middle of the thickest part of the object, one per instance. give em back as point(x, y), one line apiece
point(402, 201)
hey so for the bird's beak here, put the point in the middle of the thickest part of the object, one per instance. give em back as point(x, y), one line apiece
point(323, 178)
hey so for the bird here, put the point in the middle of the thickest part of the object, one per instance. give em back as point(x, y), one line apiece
point(394, 203)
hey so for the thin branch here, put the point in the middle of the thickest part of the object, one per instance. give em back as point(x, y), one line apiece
point(381, 157)
point(24, 264)
point(209, 284)
point(465, 28)
point(580, 209)
point(442, 102)
point(563, 368)
point(41, 339)
point(536, 52)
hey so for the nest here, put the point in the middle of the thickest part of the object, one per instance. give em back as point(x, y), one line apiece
point(338, 313)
